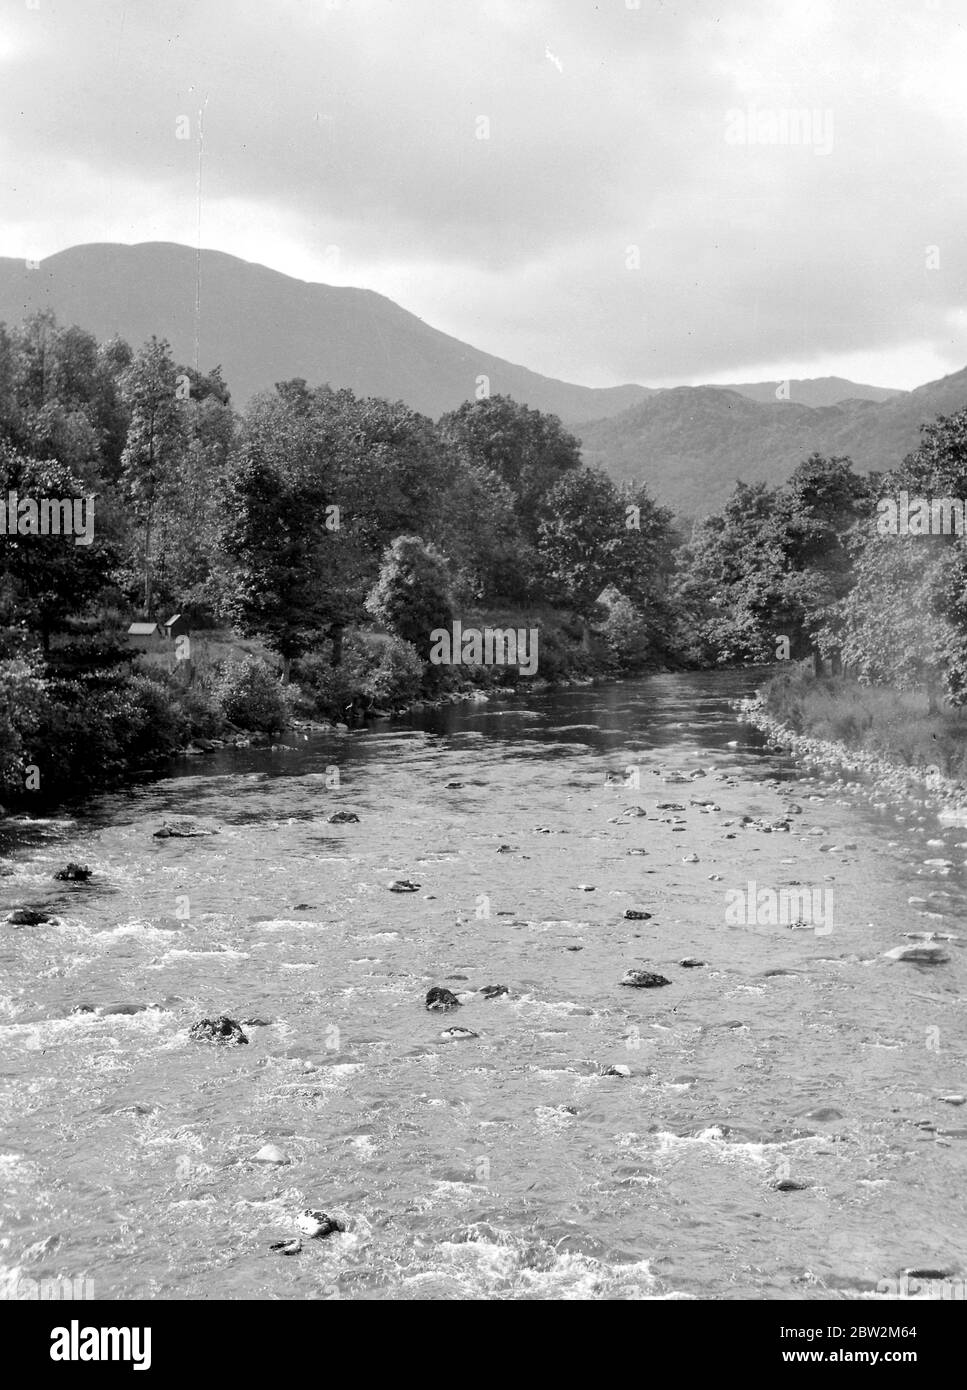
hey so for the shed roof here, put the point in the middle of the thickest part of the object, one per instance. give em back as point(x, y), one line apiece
point(142, 629)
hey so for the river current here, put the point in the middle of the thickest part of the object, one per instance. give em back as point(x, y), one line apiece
point(781, 1130)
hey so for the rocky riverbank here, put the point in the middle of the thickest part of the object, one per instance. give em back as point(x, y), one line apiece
point(883, 778)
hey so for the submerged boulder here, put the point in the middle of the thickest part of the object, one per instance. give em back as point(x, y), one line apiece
point(27, 917)
point(458, 1034)
point(493, 991)
point(441, 1000)
point(920, 955)
point(632, 914)
point(217, 1030)
point(74, 873)
point(343, 818)
point(182, 828)
point(404, 885)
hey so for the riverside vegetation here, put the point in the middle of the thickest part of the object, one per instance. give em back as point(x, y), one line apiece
point(315, 540)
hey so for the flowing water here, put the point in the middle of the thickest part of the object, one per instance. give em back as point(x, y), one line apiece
point(506, 1165)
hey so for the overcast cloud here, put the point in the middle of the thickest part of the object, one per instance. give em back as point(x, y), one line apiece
point(613, 227)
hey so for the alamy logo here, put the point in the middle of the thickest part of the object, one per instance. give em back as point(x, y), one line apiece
point(923, 516)
point(20, 1287)
point(784, 907)
point(48, 516)
point(76, 1343)
point(759, 125)
point(491, 646)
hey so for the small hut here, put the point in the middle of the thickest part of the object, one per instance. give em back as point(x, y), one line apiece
point(176, 626)
point(144, 637)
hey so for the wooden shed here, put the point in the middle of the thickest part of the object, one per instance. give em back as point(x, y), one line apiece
point(177, 626)
point(145, 637)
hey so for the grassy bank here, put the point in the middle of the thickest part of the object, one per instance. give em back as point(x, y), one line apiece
point(895, 726)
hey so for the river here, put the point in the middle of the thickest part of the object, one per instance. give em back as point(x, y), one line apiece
point(780, 1133)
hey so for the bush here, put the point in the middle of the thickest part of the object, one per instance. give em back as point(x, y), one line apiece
point(411, 597)
point(156, 721)
point(385, 669)
point(324, 689)
point(201, 710)
point(248, 694)
point(22, 700)
point(627, 633)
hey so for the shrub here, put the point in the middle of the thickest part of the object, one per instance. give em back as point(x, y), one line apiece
point(156, 721)
point(411, 597)
point(386, 670)
point(249, 695)
point(627, 633)
point(22, 699)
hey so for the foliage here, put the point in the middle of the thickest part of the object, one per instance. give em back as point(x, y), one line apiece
point(249, 695)
point(412, 594)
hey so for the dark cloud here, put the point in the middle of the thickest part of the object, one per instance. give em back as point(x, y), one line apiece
point(355, 125)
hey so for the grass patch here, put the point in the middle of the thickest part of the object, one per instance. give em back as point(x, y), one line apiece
point(893, 724)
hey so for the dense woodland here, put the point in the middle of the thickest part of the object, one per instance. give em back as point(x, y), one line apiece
point(323, 537)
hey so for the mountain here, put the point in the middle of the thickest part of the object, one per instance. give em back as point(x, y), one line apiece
point(265, 327)
point(690, 444)
point(817, 390)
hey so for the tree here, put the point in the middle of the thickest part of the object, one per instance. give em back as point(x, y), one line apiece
point(47, 579)
point(412, 595)
point(582, 539)
point(527, 450)
point(154, 449)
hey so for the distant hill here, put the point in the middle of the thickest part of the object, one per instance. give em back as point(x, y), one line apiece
point(265, 327)
point(690, 444)
point(817, 390)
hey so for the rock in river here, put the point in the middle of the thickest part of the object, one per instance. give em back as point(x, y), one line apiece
point(632, 914)
point(182, 828)
point(217, 1030)
point(271, 1153)
point(287, 1247)
point(403, 885)
point(458, 1034)
point(343, 818)
point(27, 917)
point(74, 873)
point(317, 1225)
point(493, 991)
point(441, 1000)
point(644, 979)
point(920, 955)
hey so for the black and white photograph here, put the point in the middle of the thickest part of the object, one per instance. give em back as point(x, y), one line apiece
point(483, 670)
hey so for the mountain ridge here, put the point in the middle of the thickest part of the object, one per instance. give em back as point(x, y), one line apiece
point(688, 443)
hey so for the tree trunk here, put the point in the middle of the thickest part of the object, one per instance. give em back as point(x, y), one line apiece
point(147, 568)
point(335, 633)
point(286, 669)
point(818, 669)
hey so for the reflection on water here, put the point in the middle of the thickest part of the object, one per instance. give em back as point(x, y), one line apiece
point(506, 1165)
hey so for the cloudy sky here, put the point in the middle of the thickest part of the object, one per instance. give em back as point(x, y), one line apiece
point(604, 192)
